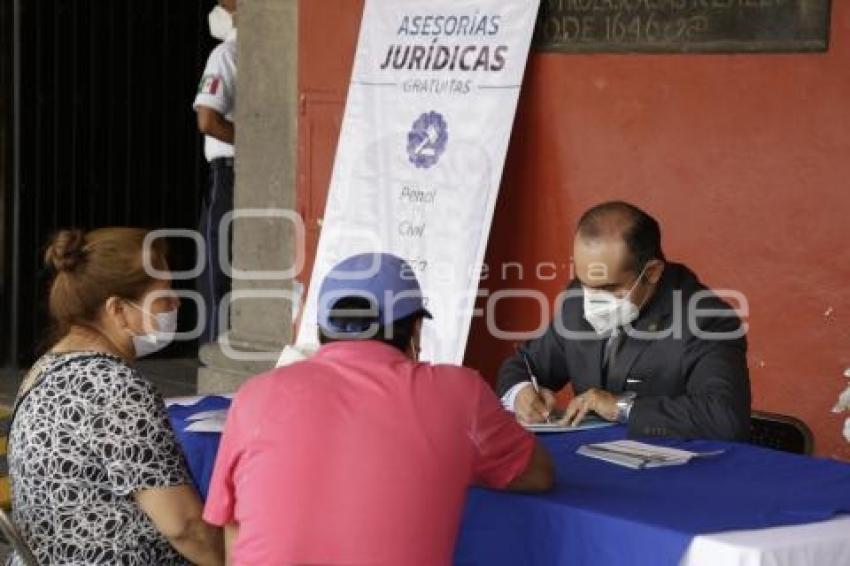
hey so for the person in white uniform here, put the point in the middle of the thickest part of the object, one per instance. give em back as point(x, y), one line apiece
point(215, 105)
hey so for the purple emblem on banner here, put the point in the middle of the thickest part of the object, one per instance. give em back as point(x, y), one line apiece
point(427, 140)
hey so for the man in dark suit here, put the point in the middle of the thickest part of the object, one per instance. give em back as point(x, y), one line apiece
point(642, 341)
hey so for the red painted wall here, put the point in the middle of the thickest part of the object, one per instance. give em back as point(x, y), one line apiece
point(744, 159)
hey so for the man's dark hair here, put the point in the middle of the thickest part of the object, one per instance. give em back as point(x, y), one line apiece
point(639, 230)
point(397, 334)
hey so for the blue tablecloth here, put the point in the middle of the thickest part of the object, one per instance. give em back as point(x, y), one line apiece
point(601, 514)
point(200, 448)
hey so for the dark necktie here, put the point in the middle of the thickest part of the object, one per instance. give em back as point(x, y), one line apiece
point(609, 355)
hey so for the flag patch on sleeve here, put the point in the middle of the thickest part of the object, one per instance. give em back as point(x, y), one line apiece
point(210, 85)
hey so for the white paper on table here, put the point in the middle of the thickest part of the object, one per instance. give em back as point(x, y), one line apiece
point(185, 401)
point(204, 415)
point(586, 424)
point(639, 455)
point(190, 400)
point(214, 424)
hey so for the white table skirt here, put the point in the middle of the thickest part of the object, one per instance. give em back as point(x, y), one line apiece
point(815, 544)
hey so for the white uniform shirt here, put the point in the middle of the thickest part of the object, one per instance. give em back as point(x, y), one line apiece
point(218, 91)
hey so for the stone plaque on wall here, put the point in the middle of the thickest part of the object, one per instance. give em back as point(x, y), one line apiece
point(682, 26)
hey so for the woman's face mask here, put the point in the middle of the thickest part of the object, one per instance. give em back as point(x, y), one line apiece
point(166, 324)
point(220, 22)
point(606, 312)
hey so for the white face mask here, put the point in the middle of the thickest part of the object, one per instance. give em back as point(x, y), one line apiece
point(221, 23)
point(606, 312)
point(147, 344)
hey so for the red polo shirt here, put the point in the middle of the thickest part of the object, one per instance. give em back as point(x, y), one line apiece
point(359, 456)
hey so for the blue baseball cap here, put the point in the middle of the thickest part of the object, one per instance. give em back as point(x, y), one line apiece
point(386, 281)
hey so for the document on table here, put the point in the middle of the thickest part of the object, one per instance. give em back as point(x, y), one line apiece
point(639, 455)
point(207, 421)
point(192, 399)
point(556, 426)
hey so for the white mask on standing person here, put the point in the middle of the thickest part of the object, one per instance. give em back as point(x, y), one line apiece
point(606, 312)
point(147, 344)
point(220, 22)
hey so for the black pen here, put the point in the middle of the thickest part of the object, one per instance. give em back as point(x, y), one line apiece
point(531, 375)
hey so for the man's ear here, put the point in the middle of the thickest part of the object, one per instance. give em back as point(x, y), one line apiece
point(415, 340)
point(654, 270)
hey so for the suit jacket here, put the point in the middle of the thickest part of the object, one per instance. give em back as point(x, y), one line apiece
point(689, 383)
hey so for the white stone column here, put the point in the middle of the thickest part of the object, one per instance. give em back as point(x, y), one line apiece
point(266, 140)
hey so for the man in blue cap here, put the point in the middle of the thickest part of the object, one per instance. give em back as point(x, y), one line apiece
point(361, 454)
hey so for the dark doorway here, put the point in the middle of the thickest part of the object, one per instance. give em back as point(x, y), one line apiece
point(105, 136)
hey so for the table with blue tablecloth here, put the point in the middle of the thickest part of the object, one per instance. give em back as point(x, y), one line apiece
point(600, 514)
point(200, 448)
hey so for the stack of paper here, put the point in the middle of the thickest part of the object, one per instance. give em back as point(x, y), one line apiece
point(207, 421)
point(558, 426)
point(192, 399)
point(639, 455)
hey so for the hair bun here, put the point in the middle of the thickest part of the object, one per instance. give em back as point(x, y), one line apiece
point(65, 252)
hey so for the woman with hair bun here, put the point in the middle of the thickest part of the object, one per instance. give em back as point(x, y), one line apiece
point(97, 475)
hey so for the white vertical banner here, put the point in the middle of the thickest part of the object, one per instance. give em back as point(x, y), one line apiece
point(426, 128)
